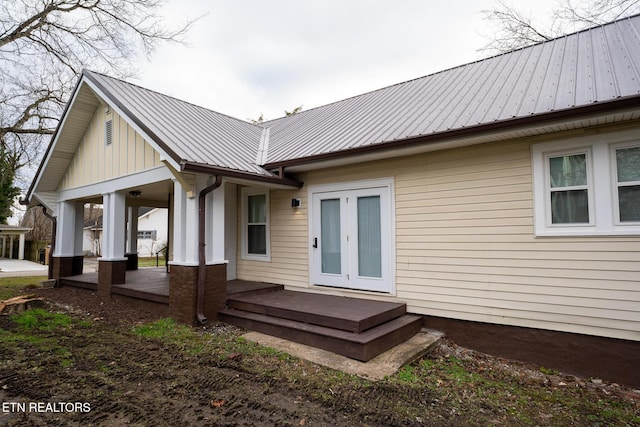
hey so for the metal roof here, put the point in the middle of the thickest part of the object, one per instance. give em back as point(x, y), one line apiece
point(595, 71)
point(186, 132)
point(594, 66)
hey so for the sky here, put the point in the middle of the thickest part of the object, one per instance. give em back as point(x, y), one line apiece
point(245, 58)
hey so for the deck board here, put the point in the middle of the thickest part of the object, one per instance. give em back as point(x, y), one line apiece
point(349, 314)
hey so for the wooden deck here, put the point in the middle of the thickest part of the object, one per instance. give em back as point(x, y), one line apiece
point(152, 284)
point(357, 328)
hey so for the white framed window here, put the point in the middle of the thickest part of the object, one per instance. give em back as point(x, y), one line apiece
point(255, 224)
point(147, 234)
point(626, 178)
point(588, 186)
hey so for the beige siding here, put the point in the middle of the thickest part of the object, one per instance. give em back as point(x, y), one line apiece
point(289, 253)
point(465, 246)
point(94, 161)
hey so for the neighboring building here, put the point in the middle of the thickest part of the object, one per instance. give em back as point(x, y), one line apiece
point(501, 195)
point(152, 233)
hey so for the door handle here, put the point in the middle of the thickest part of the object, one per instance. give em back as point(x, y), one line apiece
point(315, 242)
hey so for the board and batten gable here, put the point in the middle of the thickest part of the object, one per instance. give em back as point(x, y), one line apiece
point(95, 161)
point(466, 248)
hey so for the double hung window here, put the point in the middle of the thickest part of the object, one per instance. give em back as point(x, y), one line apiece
point(588, 186)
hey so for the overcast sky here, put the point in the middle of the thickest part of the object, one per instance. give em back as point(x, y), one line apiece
point(247, 57)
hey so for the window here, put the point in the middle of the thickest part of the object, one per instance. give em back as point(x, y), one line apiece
point(568, 188)
point(587, 186)
point(255, 228)
point(147, 234)
point(627, 173)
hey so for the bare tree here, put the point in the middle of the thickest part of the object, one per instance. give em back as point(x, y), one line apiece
point(45, 44)
point(516, 29)
point(40, 225)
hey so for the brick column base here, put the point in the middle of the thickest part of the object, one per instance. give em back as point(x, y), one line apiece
point(183, 291)
point(110, 273)
point(62, 266)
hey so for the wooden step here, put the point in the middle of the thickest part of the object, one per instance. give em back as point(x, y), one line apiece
point(362, 346)
point(69, 281)
point(347, 314)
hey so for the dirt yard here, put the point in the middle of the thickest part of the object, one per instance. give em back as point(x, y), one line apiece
point(85, 363)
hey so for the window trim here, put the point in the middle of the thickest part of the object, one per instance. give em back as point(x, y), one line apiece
point(245, 193)
point(615, 185)
point(604, 219)
point(549, 190)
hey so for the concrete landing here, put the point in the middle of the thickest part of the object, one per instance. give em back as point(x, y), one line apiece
point(376, 369)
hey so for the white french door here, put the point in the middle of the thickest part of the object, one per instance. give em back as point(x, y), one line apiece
point(351, 239)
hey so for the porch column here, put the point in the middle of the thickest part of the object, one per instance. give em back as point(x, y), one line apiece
point(184, 267)
point(21, 247)
point(112, 264)
point(67, 255)
point(132, 238)
point(10, 247)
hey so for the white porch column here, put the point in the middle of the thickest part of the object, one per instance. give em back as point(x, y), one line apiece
point(132, 229)
point(113, 223)
point(79, 229)
point(215, 226)
point(66, 230)
point(10, 247)
point(185, 226)
point(21, 247)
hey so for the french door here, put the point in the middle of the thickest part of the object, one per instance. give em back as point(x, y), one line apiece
point(351, 239)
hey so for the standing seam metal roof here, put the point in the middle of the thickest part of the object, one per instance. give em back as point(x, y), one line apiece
point(593, 66)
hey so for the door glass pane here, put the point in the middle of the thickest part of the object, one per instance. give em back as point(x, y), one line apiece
point(569, 207)
point(568, 171)
point(629, 199)
point(628, 162)
point(330, 236)
point(369, 237)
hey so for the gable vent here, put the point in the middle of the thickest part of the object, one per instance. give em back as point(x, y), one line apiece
point(108, 131)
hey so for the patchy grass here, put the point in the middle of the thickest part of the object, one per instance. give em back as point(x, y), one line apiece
point(14, 286)
point(162, 372)
point(150, 262)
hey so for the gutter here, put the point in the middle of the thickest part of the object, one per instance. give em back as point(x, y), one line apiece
point(187, 166)
point(54, 229)
point(617, 105)
point(202, 266)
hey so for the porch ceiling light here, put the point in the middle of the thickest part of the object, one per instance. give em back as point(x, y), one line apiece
point(135, 194)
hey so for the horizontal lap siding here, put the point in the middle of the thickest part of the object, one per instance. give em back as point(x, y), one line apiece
point(289, 258)
point(465, 249)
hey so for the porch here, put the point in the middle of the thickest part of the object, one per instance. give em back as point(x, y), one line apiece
point(152, 284)
point(357, 328)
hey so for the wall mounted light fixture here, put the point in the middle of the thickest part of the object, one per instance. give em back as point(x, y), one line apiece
point(296, 203)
